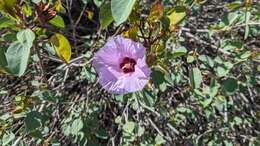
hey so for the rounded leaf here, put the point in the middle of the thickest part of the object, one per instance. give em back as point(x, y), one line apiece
point(62, 46)
point(121, 9)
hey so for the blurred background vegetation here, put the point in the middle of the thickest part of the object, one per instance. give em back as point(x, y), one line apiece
point(204, 88)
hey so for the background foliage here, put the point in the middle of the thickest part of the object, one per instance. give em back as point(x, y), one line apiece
point(204, 88)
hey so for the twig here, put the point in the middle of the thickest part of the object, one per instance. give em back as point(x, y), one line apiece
point(118, 30)
point(125, 111)
point(54, 59)
point(195, 30)
point(70, 62)
point(173, 129)
point(65, 77)
point(242, 25)
point(206, 43)
point(80, 16)
point(41, 65)
point(192, 4)
point(159, 131)
point(73, 27)
point(150, 109)
point(138, 107)
point(17, 141)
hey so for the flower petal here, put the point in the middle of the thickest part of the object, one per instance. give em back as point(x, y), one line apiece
point(108, 78)
point(136, 81)
point(130, 48)
point(108, 56)
point(120, 83)
point(107, 64)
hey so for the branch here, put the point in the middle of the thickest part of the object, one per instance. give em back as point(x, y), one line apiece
point(206, 43)
point(159, 131)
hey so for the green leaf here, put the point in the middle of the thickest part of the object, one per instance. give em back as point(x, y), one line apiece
point(36, 1)
point(121, 9)
point(105, 15)
point(238, 121)
point(160, 79)
point(5, 22)
point(234, 5)
point(27, 10)
point(230, 85)
point(18, 53)
point(7, 138)
point(149, 98)
point(9, 37)
point(176, 15)
point(140, 131)
point(223, 69)
point(98, 2)
point(228, 143)
point(89, 74)
point(102, 133)
point(26, 37)
point(159, 140)
point(57, 21)
point(36, 134)
point(231, 45)
point(85, 1)
point(8, 7)
point(207, 60)
point(247, 18)
point(205, 103)
point(230, 18)
point(76, 126)
point(118, 119)
point(195, 78)
point(62, 46)
point(213, 88)
point(190, 59)
point(245, 55)
point(179, 52)
point(49, 48)
point(33, 121)
point(119, 98)
point(59, 7)
point(219, 103)
point(3, 62)
point(129, 127)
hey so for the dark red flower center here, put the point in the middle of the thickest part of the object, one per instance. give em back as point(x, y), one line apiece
point(128, 65)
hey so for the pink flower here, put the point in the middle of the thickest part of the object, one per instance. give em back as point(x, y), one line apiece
point(121, 66)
